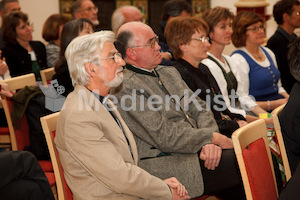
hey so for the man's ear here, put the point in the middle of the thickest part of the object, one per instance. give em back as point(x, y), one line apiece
point(285, 17)
point(90, 69)
point(131, 54)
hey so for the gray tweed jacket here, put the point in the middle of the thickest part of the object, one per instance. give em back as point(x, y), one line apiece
point(169, 123)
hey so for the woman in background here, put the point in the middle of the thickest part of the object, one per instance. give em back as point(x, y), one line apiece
point(223, 67)
point(23, 56)
point(70, 31)
point(51, 33)
point(257, 64)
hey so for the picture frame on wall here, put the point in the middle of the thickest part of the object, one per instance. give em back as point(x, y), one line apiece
point(65, 7)
point(120, 3)
point(142, 5)
point(199, 6)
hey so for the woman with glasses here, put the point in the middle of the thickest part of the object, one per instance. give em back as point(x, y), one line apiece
point(223, 67)
point(189, 48)
point(71, 30)
point(257, 64)
point(22, 55)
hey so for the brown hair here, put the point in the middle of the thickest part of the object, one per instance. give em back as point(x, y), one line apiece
point(241, 22)
point(179, 31)
point(10, 23)
point(51, 26)
point(214, 15)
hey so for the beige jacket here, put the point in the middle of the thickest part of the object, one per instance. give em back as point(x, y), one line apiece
point(95, 155)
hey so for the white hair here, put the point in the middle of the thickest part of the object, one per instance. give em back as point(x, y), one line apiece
point(118, 18)
point(84, 49)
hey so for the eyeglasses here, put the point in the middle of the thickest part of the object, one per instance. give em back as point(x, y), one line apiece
point(152, 43)
point(256, 29)
point(202, 39)
point(90, 9)
point(117, 57)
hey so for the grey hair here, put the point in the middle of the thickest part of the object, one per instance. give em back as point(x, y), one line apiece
point(3, 4)
point(119, 16)
point(85, 49)
point(117, 20)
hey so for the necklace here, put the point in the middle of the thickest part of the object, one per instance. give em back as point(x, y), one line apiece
point(258, 56)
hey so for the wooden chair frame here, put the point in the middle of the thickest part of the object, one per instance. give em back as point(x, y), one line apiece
point(15, 84)
point(275, 113)
point(49, 125)
point(46, 75)
point(244, 136)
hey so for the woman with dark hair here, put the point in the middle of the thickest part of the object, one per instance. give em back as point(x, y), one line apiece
point(22, 55)
point(70, 31)
point(290, 115)
point(51, 33)
point(190, 48)
point(257, 64)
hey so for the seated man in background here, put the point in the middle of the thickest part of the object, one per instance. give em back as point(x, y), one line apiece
point(172, 128)
point(85, 9)
point(126, 14)
point(97, 150)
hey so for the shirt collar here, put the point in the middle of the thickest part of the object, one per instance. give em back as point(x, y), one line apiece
point(99, 97)
point(286, 35)
point(142, 71)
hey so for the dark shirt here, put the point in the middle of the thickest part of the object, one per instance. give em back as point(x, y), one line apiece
point(278, 43)
point(201, 78)
point(18, 59)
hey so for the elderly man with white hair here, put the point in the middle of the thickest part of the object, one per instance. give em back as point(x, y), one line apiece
point(97, 150)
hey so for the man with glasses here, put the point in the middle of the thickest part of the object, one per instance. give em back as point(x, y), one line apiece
point(96, 148)
point(85, 9)
point(287, 15)
point(172, 129)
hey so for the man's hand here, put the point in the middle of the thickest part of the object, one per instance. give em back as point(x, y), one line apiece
point(211, 155)
point(178, 190)
point(222, 141)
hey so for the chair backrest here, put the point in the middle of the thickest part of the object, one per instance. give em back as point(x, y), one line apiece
point(49, 127)
point(255, 162)
point(46, 75)
point(285, 161)
point(19, 138)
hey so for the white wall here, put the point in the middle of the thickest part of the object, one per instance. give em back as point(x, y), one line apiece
point(38, 11)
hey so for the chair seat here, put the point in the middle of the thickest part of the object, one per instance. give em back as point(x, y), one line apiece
point(46, 165)
point(51, 178)
point(4, 131)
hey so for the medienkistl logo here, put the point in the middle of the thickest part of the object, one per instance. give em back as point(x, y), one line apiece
point(54, 100)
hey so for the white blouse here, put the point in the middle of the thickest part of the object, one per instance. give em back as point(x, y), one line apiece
point(220, 79)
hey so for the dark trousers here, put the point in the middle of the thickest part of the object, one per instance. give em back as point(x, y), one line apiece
point(225, 181)
point(291, 189)
point(22, 178)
